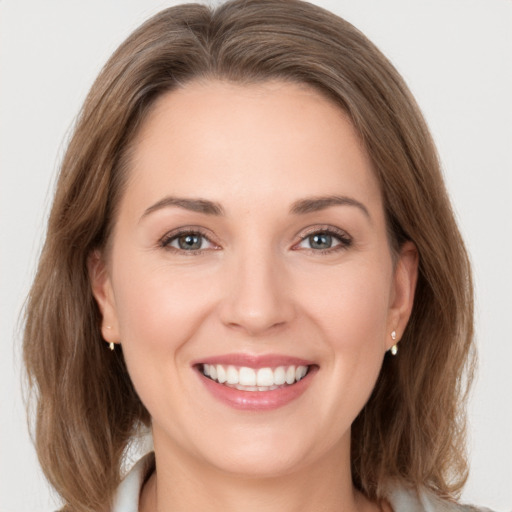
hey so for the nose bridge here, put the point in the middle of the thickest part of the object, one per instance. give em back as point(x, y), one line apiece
point(257, 297)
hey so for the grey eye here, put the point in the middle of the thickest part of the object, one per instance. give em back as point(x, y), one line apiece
point(325, 240)
point(189, 242)
point(320, 241)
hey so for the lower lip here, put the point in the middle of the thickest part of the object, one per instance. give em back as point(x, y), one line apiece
point(258, 400)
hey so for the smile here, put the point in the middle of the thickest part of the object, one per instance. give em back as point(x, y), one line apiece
point(245, 378)
point(255, 383)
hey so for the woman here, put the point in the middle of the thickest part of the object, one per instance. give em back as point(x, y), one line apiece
point(251, 251)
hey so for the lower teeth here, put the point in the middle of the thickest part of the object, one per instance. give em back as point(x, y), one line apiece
point(240, 387)
point(252, 388)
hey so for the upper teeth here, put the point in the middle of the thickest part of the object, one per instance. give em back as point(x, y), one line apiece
point(262, 377)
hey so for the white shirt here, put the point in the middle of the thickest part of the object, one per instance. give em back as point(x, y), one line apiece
point(400, 499)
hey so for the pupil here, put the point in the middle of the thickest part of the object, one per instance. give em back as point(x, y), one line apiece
point(320, 241)
point(190, 242)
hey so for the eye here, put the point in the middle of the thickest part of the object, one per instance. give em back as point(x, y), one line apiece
point(321, 241)
point(325, 240)
point(188, 241)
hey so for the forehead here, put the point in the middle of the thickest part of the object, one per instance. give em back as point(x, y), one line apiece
point(270, 141)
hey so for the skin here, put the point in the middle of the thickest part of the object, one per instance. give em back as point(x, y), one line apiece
point(257, 286)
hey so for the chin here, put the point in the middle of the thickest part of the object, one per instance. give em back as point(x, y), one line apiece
point(265, 464)
point(263, 454)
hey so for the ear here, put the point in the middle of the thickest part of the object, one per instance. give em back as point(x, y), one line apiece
point(103, 293)
point(402, 294)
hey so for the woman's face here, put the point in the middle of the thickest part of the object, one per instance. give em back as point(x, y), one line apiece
point(251, 245)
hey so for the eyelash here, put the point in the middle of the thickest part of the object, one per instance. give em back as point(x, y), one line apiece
point(345, 241)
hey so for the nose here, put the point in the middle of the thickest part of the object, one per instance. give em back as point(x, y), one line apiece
point(258, 298)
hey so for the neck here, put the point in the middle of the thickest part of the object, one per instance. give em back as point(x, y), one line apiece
point(181, 484)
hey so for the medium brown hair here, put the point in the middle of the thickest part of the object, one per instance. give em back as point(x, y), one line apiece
point(412, 428)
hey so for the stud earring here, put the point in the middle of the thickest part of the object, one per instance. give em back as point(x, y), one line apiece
point(394, 348)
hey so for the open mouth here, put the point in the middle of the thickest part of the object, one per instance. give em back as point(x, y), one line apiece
point(245, 378)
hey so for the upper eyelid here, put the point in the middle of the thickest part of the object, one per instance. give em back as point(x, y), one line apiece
point(323, 229)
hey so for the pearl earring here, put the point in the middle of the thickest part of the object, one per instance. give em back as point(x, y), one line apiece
point(394, 348)
point(111, 345)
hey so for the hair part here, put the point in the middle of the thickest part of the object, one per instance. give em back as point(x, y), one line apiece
point(87, 411)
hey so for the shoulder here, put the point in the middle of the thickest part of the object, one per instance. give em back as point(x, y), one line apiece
point(127, 495)
point(402, 499)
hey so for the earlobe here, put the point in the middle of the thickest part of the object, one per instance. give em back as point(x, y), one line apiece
point(103, 293)
point(405, 278)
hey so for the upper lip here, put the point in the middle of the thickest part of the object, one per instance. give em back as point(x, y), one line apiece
point(254, 361)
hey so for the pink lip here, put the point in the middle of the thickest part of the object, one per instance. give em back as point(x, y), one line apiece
point(254, 361)
point(256, 400)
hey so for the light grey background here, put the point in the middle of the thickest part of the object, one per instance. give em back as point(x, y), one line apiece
point(456, 56)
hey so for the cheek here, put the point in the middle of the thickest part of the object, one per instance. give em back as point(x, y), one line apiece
point(158, 315)
point(155, 308)
point(352, 305)
point(351, 312)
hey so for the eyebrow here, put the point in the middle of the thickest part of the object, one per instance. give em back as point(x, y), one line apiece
point(315, 204)
point(300, 207)
point(194, 205)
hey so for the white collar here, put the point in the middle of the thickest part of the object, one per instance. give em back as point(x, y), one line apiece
point(127, 495)
point(401, 499)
